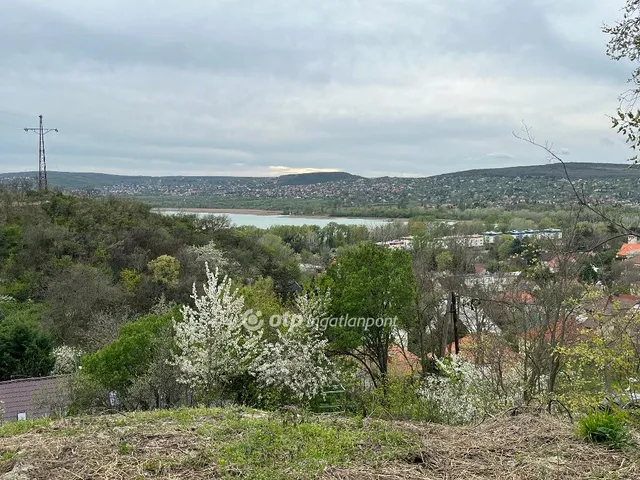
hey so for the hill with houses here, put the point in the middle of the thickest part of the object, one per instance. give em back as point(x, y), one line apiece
point(538, 184)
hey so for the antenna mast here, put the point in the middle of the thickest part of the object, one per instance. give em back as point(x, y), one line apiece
point(42, 161)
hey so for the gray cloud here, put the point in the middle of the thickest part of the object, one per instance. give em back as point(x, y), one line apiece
point(204, 87)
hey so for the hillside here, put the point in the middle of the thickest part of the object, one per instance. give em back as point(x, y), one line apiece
point(233, 443)
point(502, 187)
point(319, 177)
point(576, 170)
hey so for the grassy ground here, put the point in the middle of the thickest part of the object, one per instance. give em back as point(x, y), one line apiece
point(235, 443)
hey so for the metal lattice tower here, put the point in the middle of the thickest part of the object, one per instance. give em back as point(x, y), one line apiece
point(42, 161)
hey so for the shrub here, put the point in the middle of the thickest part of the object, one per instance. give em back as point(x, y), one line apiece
point(134, 366)
point(464, 393)
point(25, 348)
point(606, 428)
point(67, 359)
point(401, 399)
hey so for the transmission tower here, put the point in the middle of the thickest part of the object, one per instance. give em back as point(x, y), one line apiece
point(42, 161)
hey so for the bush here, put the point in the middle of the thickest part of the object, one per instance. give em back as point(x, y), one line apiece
point(464, 393)
point(134, 366)
point(401, 399)
point(606, 428)
point(25, 348)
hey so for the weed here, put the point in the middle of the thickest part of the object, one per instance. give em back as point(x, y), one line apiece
point(124, 449)
point(23, 426)
point(605, 428)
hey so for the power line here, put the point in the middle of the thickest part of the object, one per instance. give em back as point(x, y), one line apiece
point(42, 162)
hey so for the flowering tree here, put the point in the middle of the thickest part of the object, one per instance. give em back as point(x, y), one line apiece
point(215, 348)
point(209, 254)
point(209, 339)
point(296, 363)
point(464, 392)
point(67, 359)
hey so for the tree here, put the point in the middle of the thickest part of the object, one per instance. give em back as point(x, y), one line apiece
point(426, 332)
point(604, 362)
point(139, 355)
point(165, 269)
point(444, 260)
point(130, 279)
point(370, 281)
point(220, 353)
point(209, 254)
point(67, 359)
point(25, 349)
point(209, 337)
point(78, 295)
point(506, 247)
point(625, 44)
point(282, 263)
point(261, 297)
point(296, 363)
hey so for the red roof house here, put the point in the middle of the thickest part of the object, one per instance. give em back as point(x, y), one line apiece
point(402, 361)
point(629, 250)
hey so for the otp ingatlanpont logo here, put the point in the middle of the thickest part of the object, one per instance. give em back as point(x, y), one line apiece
point(252, 321)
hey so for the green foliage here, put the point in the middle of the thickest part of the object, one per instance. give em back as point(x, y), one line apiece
point(444, 260)
point(282, 263)
point(506, 248)
point(138, 348)
point(25, 348)
point(21, 287)
point(607, 428)
point(76, 296)
point(261, 296)
point(374, 282)
point(10, 236)
point(165, 269)
point(625, 44)
point(130, 279)
point(603, 360)
point(399, 399)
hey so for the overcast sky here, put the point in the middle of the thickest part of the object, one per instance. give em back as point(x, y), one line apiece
point(261, 87)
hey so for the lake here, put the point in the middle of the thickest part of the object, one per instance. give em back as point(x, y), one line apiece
point(266, 221)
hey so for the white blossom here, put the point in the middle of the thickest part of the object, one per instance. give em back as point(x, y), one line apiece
point(209, 338)
point(67, 359)
point(214, 346)
point(296, 361)
point(209, 254)
point(465, 392)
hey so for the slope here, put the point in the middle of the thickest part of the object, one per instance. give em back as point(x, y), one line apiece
point(233, 443)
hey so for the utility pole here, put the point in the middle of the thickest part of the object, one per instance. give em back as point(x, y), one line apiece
point(453, 310)
point(42, 161)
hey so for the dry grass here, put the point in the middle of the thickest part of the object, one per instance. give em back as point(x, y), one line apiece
point(200, 444)
point(512, 448)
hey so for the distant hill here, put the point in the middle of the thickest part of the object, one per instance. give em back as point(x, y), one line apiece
point(89, 180)
point(318, 177)
point(576, 170)
point(505, 187)
point(555, 170)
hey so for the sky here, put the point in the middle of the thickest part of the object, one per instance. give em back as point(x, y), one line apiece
point(265, 87)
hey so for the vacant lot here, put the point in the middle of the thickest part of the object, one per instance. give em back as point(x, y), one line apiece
point(233, 443)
